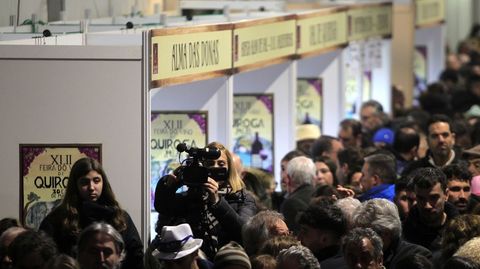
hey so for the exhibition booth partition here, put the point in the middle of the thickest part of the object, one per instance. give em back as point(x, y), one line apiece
point(64, 102)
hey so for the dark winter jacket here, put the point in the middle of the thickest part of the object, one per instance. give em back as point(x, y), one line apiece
point(415, 231)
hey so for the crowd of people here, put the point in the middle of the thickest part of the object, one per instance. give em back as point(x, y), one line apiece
point(389, 191)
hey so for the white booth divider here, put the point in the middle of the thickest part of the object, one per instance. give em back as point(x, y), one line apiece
point(381, 77)
point(366, 79)
point(327, 67)
point(433, 38)
point(76, 95)
point(212, 95)
point(280, 81)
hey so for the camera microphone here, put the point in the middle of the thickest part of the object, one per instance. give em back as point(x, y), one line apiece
point(182, 147)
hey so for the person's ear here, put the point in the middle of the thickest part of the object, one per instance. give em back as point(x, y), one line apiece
point(414, 151)
point(289, 180)
point(344, 168)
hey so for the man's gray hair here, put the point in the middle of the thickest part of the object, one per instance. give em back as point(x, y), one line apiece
point(383, 165)
point(355, 237)
point(373, 103)
point(381, 215)
point(301, 254)
point(301, 170)
point(257, 230)
point(104, 228)
point(348, 205)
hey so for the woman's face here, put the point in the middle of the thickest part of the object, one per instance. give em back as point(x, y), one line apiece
point(221, 162)
point(324, 175)
point(90, 186)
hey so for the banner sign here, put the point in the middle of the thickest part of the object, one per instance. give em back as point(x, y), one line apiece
point(309, 101)
point(369, 21)
point(253, 130)
point(188, 54)
point(429, 12)
point(319, 31)
point(44, 170)
point(258, 41)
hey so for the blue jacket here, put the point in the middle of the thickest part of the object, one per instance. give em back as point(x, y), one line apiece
point(386, 191)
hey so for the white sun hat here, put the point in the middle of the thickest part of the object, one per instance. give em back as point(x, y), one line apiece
point(175, 242)
point(307, 131)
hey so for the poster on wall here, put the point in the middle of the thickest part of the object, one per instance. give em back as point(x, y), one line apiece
point(168, 129)
point(309, 101)
point(44, 171)
point(253, 130)
point(420, 54)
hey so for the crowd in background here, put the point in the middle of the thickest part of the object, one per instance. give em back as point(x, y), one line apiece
point(389, 191)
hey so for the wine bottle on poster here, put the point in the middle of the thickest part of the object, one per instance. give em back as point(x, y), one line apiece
point(307, 119)
point(257, 147)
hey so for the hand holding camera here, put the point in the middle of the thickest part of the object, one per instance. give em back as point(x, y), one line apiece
point(212, 188)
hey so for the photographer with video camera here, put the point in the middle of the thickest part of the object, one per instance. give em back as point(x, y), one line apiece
point(216, 204)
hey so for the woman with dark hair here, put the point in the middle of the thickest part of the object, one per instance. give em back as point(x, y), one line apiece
point(326, 172)
point(216, 209)
point(89, 198)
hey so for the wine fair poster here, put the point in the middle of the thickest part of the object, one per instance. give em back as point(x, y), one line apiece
point(309, 101)
point(253, 130)
point(44, 171)
point(168, 129)
point(420, 70)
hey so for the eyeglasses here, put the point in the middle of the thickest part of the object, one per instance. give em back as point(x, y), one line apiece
point(172, 246)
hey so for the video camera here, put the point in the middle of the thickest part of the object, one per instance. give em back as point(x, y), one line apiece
point(193, 173)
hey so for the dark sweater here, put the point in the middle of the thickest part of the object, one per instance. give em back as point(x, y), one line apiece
point(415, 231)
